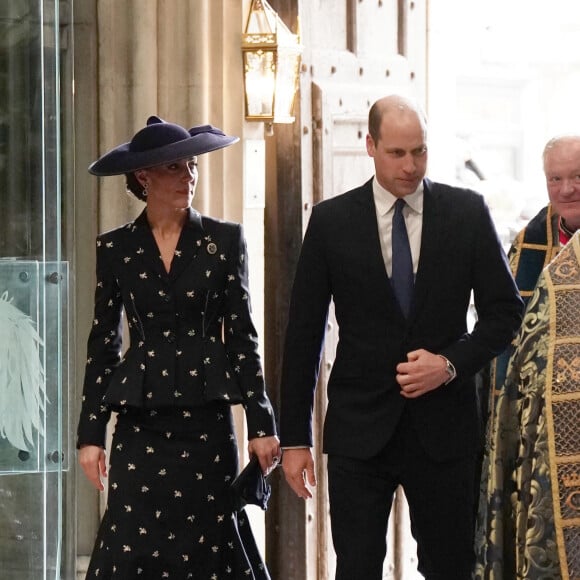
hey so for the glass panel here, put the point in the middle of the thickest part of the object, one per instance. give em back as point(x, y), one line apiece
point(33, 298)
point(34, 449)
point(260, 81)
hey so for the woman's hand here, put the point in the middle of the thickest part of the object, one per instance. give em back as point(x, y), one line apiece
point(267, 450)
point(93, 460)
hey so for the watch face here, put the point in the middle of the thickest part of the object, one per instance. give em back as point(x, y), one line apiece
point(452, 372)
point(449, 369)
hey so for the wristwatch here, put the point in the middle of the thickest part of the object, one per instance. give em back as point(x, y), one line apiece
point(449, 369)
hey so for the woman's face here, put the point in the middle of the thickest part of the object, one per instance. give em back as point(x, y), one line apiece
point(170, 185)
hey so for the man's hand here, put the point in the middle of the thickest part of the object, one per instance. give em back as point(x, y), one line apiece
point(298, 466)
point(92, 459)
point(423, 372)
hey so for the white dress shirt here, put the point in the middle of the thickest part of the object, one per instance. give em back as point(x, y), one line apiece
point(413, 214)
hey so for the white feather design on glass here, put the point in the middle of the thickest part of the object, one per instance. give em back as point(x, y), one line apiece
point(22, 377)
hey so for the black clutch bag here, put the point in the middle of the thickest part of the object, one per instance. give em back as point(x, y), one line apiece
point(251, 486)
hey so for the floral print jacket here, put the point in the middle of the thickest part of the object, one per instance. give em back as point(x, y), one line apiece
point(192, 339)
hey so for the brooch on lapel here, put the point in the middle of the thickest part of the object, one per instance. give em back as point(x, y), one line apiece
point(211, 248)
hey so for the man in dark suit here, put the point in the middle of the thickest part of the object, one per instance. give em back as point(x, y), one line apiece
point(402, 404)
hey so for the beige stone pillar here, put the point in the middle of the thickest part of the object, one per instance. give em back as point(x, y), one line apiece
point(181, 60)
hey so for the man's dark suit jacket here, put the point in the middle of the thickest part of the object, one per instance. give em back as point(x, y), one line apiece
point(192, 339)
point(341, 260)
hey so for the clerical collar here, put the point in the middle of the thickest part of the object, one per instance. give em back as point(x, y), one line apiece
point(565, 232)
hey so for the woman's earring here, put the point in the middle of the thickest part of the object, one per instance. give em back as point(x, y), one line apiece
point(145, 188)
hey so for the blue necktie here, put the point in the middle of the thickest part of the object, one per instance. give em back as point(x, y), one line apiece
point(402, 275)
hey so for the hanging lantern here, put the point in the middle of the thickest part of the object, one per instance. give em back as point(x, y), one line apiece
point(271, 55)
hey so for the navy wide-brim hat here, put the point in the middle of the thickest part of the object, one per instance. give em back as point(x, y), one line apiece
point(159, 143)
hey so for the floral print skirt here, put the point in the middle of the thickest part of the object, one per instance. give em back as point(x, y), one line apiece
point(169, 511)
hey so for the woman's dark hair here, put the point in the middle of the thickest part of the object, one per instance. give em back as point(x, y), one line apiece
point(135, 187)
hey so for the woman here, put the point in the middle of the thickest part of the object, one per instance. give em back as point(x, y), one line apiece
point(182, 281)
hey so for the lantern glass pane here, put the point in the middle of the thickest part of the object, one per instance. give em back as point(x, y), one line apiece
point(287, 73)
point(260, 82)
point(262, 18)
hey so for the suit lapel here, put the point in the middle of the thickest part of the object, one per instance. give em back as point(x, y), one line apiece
point(146, 247)
point(189, 243)
point(187, 247)
point(434, 236)
point(365, 220)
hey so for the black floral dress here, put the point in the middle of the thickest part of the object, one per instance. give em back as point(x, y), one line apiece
point(193, 352)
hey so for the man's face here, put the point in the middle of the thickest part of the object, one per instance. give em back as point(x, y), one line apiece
point(400, 154)
point(562, 169)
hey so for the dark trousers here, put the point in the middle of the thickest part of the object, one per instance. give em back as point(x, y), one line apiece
point(441, 502)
